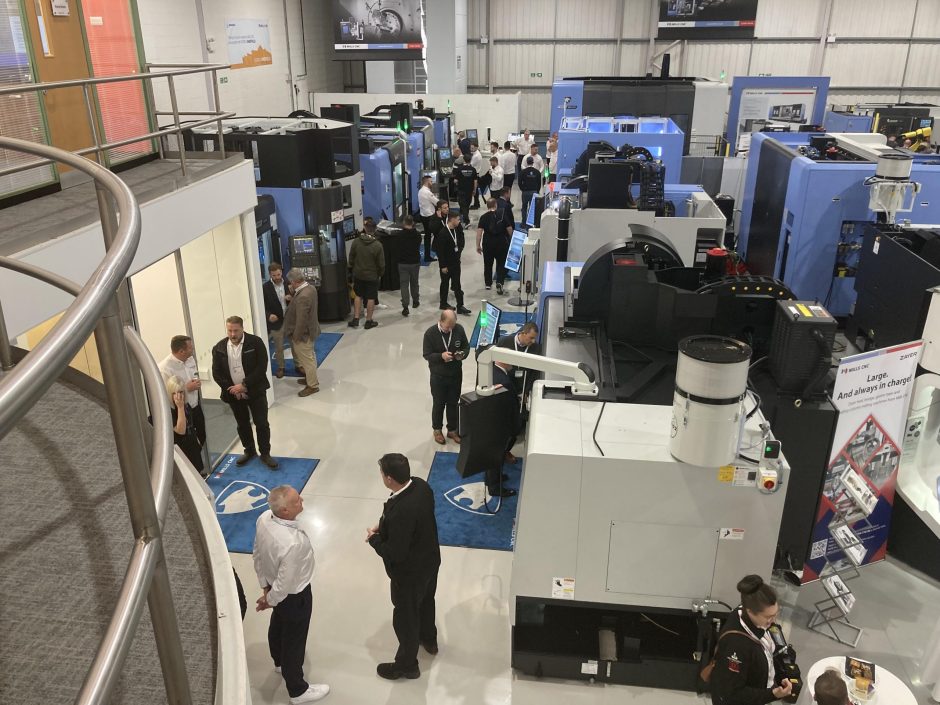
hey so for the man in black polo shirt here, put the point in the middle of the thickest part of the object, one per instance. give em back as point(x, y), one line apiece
point(466, 177)
point(445, 346)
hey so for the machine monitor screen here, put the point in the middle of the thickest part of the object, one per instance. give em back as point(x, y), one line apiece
point(303, 245)
point(398, 177)
point(384, 30)
point(489, 325)
point(471, 134)
point(514, 258)
point(444, 154)
point(349, 225)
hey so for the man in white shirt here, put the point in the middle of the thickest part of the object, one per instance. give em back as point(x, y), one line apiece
point(536, 158)
point(523, 145)
point(181, 363)
point(507, 160)
point(483, 168)
point(284, 562)
point(427, 202)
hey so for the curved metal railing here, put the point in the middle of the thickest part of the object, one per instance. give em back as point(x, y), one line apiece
point(147, 489)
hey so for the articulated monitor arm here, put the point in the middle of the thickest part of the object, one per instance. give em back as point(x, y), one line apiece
point(582, 375)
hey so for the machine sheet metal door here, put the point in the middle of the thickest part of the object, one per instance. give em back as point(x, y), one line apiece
point(661, 559)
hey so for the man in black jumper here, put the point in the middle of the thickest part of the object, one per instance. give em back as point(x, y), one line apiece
point(445, 347)
point(449, 243)
point(406, 539)
point(240, 368)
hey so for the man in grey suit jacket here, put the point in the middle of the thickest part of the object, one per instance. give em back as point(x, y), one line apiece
point(303, 328)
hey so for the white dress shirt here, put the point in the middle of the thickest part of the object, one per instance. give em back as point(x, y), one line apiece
point(523, 145)
point(537, 162)
point(507, 160)
point(170, 366)
point(236, 371)
point(281, 291)
point(404, 487)
point(478, 163)
point(283, 557)
point(427, 202)
point(497, 173)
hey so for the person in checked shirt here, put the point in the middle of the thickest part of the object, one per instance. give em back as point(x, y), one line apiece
point(284, 562)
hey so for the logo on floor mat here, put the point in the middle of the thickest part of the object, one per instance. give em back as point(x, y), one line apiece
point(509, 329)
point(470, 498)
point(241, 496)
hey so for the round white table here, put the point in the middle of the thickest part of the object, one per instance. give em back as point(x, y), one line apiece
point(889, 689)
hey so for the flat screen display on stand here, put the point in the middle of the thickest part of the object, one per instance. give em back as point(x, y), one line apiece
point(379, 30)
point(514, 258)
point(489, 325)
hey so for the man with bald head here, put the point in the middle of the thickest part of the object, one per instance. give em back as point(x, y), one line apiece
point(284, 562)
point(445, 347)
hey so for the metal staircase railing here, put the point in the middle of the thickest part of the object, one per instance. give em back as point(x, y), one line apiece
point(147, 482)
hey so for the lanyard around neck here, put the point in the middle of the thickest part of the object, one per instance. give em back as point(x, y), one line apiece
point(449, 338)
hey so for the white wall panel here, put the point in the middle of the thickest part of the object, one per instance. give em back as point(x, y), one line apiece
point(922, 68)
point(872, 18)
point(534, 110)
point(587, 19)
point(323, 74)
point(865, 64)
point(636, 19)
point(476, 65)
point(789, 18)
point(633, 59)
point(531, 19)
point(928, 20)
point(922, 97)
point(584, 59)
point(710, 59)
point(849, 97)
point(476, 19)
point(513, 64)
point(784, 59)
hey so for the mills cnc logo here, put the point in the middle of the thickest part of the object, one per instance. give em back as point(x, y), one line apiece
point(241, 496)
point(470, 498)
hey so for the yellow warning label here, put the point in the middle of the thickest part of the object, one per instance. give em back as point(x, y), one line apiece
point(726, 473)
point(805, 311)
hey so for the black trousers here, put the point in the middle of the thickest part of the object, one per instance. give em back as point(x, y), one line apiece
point(527, 197)
point(199, 423)
point(428, 237)
point(413, 616)
point(445, 394)
point(494, 250)
point(451, 280)
point(508, 180)
point(248, 410)
point(463, 202)
point(287, 638)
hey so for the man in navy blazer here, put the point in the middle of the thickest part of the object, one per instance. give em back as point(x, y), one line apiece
point(240, 368)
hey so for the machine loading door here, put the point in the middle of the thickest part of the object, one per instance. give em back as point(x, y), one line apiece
point(661, 559)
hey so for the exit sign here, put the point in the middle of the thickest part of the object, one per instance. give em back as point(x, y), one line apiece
point(533, 74)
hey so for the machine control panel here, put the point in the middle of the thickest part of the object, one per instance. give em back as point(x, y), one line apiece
point(304, 256)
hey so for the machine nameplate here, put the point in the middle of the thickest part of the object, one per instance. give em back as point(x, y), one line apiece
point(731, 535)
point(563, 588)
point(745, 477)
point(589, 668)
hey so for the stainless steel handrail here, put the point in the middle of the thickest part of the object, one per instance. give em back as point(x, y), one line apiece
point(34, 87)
point(30, 379)
point(95, 305)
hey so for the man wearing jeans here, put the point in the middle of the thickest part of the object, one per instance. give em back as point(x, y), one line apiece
point(284, 562)
point(445, 347)
point(409, 263)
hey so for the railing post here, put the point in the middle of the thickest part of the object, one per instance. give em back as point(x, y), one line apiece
point(6, 353)
point(93, 123)
point(217, 106)
point(120, 385)
point(176, 121)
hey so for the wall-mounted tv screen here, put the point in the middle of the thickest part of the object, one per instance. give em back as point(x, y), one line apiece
point(377, 30)
point(707, 19)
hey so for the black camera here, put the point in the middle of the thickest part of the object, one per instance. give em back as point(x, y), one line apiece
point(785, 662)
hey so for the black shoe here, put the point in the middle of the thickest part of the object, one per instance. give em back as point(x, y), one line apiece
point(499, 288)
point(430, 647)
point(354, 323)
point(463, 310)
point(415, 303)
point(392, 672)
point(370, 324)
point(475, 207)
point(269, 461)
point(404, 311)
point(446, 307)
point(505, 492)
point(245, 457)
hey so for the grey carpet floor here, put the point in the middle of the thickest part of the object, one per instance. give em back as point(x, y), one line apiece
point(65, 538)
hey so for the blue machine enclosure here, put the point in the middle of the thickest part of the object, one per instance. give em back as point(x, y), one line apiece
point(846, 122)
point(661, 136)
point(377, 185)
point(573, 90)
point(415, 162)
point(795, 212)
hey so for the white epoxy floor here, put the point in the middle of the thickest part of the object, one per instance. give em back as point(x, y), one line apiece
point(375, 400)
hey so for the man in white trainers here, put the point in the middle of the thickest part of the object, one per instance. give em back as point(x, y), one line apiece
point(284, 564)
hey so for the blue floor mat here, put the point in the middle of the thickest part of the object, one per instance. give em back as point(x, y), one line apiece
point(241, 494)
point(509, 323)
point(462, 518)
point(323, 347)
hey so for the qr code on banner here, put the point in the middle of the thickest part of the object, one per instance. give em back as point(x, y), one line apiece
point(818, 549)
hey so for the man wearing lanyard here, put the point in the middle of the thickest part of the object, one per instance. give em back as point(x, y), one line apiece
point(523, 146)
point(445, 346)
point(427, 204)
point(284, 563)
point(523, 341)
point(448, 244)
point(276, 298)
point(181, 363)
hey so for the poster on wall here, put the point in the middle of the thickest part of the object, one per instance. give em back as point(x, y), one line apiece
point(379, 30)
point(707, 19)
point(249, 43)
point(781, 109)
point(872, 394)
